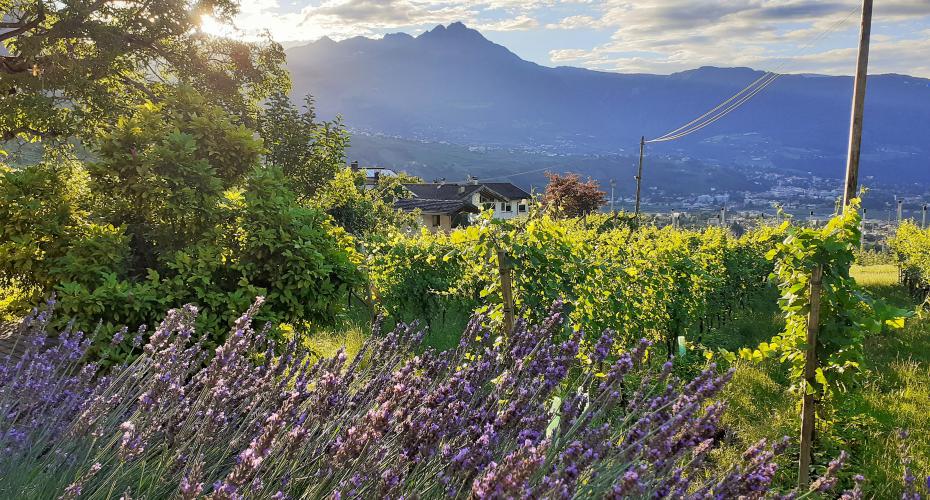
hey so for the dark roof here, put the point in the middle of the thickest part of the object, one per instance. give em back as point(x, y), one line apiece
point(443, 191)
point(503, 191)
point(507, 190)
point(436, 206)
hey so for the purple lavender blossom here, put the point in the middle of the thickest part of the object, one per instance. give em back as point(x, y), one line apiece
point(497, 417)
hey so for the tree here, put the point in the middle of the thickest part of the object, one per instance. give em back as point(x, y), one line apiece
point(569, 197)
point(309, 152)
point(68, 66)
point(163, 169)
point(362, 211)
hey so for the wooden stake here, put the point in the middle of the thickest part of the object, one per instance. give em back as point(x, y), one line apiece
point(855, 128)
point(809, 404)
point(639, 176)
point(504, 266)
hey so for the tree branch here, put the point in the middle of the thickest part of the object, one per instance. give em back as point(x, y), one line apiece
point(19, 27)
point(12, 65)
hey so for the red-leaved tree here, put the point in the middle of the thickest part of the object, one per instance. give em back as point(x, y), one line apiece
point(567, 196)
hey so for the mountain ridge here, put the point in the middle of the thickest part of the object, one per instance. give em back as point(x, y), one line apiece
point(452, 84)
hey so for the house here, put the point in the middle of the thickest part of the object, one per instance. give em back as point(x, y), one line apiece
point(505, 199)
point(516, 201)
point(439, 215)
point(373, 174)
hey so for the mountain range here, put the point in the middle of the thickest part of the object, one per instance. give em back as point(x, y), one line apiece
point(452, 85)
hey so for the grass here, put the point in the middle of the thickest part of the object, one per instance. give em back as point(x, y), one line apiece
point(893, 395)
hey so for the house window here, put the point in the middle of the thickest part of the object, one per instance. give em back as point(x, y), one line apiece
point(508, 207)
point(522, 207)
point(436, 221)
point(488, 206)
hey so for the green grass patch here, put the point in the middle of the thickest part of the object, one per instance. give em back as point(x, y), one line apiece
point(893, 395)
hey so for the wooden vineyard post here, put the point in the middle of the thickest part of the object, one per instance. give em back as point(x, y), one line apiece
point(504, 266)
point(808, 406)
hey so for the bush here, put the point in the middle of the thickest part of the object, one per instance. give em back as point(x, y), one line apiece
point(175, 209)
point(492, 419)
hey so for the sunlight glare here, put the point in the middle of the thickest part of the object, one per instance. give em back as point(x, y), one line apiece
point(212, 26)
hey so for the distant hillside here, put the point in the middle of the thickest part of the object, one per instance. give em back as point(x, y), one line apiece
point(451, 84)
point(452, 163)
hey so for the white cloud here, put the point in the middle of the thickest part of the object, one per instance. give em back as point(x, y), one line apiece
point(575, 22)
point(646, 35)
point(673, 35)
point(519, 23)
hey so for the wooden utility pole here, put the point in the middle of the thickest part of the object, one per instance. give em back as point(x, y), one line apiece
point(862, 230)
point(809, 403)
point(855, 128)
point(503, 263)
point(639, 176)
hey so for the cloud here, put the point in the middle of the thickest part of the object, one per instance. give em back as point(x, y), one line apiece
point(673, 35)
point(644, 35)
point(576, 22)
point(519, 23)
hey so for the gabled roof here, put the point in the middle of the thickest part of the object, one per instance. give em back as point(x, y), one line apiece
point(450, 207)
point(450, 191)
point(508, 190)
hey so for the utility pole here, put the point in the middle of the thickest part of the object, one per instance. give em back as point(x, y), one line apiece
point(862, 230)
point(923, 222)
point(900, 209)
point(639, 176)
point(855, 128)
point(612, 184)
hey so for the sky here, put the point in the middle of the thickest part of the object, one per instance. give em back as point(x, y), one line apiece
point(652, 36)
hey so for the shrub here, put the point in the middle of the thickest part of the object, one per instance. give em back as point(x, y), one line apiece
point(176, 208)
point(494, 418)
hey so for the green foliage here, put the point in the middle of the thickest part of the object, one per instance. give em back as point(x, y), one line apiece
point(175, 210)
point(74, 65)
point(414, 276)
point(911, 246)
point(873, 257)
point(864, 421)
point(657, 283)
point(848, 313)
point(359, 210)
point(162, 171)
point(309, 152)
point(46, 234)
point(305, 262)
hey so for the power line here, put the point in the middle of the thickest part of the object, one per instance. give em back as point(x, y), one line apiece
point(743, 95)
point(499, 176)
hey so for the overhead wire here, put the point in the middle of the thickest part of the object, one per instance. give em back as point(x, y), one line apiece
point(744, 95)
point(715, 114)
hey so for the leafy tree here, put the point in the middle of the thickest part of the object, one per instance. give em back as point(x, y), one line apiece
point(70, 65)
point(308, 151)
point(359, 210)
point(176, 208)
point(47, 235)
point(163, 169)
point(568, 196)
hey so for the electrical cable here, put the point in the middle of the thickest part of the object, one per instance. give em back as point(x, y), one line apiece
point(753, 89)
